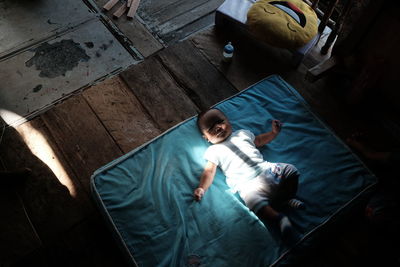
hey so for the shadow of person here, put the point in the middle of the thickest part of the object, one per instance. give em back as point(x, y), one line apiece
point(48, 218)
point(35, 206)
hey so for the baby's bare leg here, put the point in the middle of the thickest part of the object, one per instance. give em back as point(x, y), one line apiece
point(289, 234)
point(271, 215)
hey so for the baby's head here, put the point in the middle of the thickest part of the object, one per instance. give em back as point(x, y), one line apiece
point(214, 125)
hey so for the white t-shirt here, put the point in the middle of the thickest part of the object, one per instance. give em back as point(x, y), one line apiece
point(238, 158)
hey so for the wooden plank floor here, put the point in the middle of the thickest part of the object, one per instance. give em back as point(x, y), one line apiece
point(172, 20)
point(53, 208)
point(132, 31)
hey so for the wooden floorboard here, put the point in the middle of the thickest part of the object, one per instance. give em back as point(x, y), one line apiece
point(184, 19)
point(121, 113)
point(134, 30)
point(149, 7)
point(176, 9)
point(138, 35)
point(81, 137)
point(190, 29)
point(250, 63)
point(51, 194)
point(200, 80)
point(159, 93)
point(173, 19)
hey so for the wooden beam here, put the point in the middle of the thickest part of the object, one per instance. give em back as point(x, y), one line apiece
point(121, 10)
point(110, 4)
point(177, 22)
point(132, 9)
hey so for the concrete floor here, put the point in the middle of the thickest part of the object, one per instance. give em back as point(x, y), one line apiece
point(51, 49)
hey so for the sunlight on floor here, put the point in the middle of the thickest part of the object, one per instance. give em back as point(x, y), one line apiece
point(39, 147)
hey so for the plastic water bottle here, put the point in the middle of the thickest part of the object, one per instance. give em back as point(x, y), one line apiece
point(228, 52)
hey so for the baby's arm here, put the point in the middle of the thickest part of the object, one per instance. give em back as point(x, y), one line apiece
point(267, 137)
point(206, 180)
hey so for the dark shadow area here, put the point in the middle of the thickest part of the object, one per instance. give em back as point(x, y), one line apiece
point(42, 223)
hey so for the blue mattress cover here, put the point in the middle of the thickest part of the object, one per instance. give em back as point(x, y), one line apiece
point(147, 194)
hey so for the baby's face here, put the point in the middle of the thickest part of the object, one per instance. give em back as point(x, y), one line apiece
point(215, 126)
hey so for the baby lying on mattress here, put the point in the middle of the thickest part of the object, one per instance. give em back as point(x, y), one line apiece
point(265, 187)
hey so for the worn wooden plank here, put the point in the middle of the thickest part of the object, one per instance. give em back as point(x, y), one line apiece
point(52, 195)
point(190, 29)
point(201, 81)
point(81, 137)
point(149, 7)
point(136, 32)
point(251, 61)
point(121, 113)
point(110, 4)
point(186, 18)
point(159, 93)
point(121, 10)
point(176, 9)
point(132, 9)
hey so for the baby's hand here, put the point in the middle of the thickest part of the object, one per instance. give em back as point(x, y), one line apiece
point(198, 193)
point(276, 126)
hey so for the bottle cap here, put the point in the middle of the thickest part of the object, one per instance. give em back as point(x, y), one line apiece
point(228, 48)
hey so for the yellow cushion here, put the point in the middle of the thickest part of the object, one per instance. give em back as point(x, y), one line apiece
point(286, 24)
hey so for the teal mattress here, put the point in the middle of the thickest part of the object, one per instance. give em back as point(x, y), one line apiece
point(146, 195)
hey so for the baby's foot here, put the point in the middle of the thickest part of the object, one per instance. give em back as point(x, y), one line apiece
point(284, 224)
point(289, 234)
